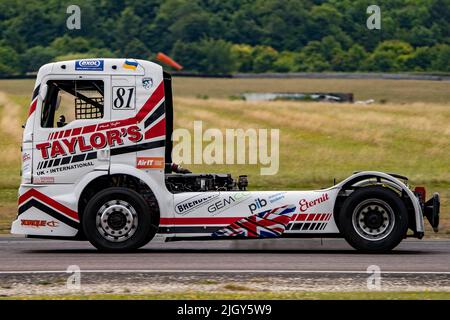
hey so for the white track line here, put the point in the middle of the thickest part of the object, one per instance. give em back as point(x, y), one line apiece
point(229, 271)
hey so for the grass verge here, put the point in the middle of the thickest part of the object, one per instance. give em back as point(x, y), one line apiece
point(428, 295)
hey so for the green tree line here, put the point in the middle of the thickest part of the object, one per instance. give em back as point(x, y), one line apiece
point(222, 36)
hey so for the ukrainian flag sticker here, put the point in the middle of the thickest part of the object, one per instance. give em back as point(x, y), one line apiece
point(128, 64)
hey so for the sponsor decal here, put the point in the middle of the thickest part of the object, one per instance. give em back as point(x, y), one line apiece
point(150, 162)
point(26, 156)
point(257, 204)
point(147, 83)
point(26, 163)
point(195, 202)
point(277, 196)
point(129, 64)
point(305, 204)
point(26, 167)
point(72, 167)
point(97, 140)
point(89, 65)
point(227, 202)
point(267, 224)
point(39, 223)
point(152, 104)
point(39, 179)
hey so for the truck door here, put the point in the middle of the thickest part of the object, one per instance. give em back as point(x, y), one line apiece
point(70, 138)
point(123, 109)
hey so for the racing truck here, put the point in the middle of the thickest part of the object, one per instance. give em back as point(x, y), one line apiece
point(97, 165)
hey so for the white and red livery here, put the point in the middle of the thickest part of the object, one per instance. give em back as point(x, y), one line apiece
point(96, 165)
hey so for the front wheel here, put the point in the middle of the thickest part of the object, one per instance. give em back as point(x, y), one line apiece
point(373, 219)
point(118, 219)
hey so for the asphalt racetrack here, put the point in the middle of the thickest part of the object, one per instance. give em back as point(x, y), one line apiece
point(31, 267)
point(20, 255)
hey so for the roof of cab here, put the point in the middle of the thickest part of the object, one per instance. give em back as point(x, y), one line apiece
point(104, 66)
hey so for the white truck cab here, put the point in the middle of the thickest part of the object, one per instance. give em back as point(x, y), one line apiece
point(96, 165)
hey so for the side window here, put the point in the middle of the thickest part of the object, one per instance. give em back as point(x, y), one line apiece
point(69, 100)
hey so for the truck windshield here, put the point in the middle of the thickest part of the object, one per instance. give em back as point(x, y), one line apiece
point(69, 100)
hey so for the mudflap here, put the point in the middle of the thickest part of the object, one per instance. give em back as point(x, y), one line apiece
point(431, 211)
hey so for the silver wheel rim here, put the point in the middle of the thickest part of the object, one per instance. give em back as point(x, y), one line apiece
point(373, 219)
point(116, 220)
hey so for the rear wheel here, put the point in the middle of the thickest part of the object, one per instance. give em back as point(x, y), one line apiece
point(118, 219)
point(373, 219)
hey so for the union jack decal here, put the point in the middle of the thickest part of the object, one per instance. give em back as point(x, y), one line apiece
point(267, 224)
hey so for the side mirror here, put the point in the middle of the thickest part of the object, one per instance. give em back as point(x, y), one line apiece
point(43, 92)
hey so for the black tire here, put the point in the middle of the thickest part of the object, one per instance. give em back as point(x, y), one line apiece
point(118, 210)
point(365, 219)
